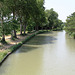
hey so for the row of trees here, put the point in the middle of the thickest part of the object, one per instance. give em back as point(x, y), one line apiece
point(20, 14)
point(70, 25)
point(52, 20)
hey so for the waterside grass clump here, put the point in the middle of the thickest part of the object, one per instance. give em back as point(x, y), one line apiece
point(2, 55)
point(6, 53)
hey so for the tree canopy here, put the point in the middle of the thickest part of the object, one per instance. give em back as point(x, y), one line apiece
point(52, 17)
point(70, 24)
point(22, 15)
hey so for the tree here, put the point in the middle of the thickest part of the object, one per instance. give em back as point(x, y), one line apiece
point(70, 24)
point(12, 5)
point(38, 14)
point(53, 21)
point(53, 17)
point(3, 15)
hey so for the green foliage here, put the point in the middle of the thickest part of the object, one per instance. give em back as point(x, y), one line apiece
point(70, 24)
point(53, 21)
point(30, 26)
point(28, 13)
point(14, 24)
point(2, 55)
point(8, 27)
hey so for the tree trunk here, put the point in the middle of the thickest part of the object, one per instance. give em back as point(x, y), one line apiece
point(21, 26)
point(3, 38)
point(36, 27)
point(20, 29)
point(3, 34)
point(13, 33)
point(24, 29)
point(15, 36)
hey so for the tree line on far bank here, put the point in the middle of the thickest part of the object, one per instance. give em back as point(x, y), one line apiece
point(70, 25)
point(26, 15)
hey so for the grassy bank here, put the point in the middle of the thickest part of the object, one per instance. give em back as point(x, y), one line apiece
point(3, 54)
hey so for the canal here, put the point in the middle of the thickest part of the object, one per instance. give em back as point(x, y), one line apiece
point(51, 53)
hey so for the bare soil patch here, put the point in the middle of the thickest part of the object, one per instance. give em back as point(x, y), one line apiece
point(11, 42)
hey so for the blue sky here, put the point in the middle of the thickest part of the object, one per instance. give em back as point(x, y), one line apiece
point(63, 7)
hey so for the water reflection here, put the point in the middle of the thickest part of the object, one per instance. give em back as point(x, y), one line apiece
point(50, 53)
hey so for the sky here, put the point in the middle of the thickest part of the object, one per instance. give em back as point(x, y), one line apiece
point(64, 8)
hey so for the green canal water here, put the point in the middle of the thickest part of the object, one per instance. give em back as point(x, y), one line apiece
point(51, 53)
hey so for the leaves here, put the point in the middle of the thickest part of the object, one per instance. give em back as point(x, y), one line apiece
point(70, 23)
point(53, 20)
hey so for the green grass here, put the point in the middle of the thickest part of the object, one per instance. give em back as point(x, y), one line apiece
point(2, 55)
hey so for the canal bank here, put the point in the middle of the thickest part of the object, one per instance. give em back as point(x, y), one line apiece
point(51, 53)
point(16, 46)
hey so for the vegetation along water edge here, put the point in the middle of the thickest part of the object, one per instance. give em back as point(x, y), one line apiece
point(6, 53)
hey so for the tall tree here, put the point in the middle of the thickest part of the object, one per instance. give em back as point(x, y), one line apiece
point(3, 14)
point(52, 18)
point(12, 5)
